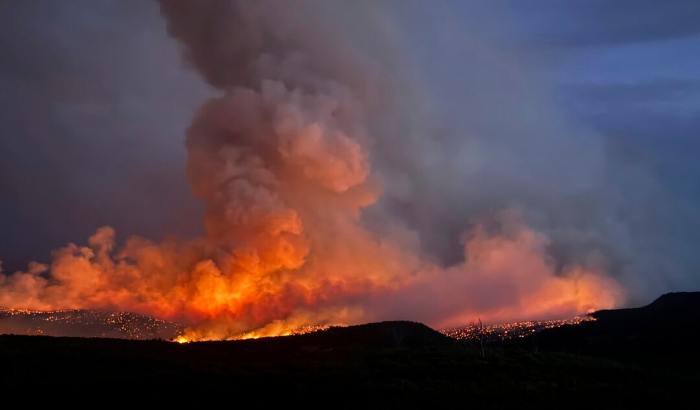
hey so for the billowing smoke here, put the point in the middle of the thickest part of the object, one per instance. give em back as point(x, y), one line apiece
point(335, 195)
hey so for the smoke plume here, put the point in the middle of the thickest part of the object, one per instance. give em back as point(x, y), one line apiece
point(335, 196)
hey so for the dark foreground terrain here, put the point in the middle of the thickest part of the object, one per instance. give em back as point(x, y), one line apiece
point(625, 359)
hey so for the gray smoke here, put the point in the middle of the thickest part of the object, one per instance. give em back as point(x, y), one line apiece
point(375, 160)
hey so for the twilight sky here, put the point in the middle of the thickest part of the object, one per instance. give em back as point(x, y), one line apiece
point(472, 158)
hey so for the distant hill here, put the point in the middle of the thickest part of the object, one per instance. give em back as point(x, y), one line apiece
point(388, 334)
point(670, 325)
point(669, 311)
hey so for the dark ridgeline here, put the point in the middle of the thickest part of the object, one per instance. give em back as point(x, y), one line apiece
point(625, 359)
point(671, 312)
point(667, 327)
point(382, 335)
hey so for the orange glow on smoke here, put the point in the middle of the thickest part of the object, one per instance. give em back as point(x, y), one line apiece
point(503, 278)
point(282, 159)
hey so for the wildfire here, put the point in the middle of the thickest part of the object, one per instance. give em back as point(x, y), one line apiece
point(181, 339)
point(283, 160)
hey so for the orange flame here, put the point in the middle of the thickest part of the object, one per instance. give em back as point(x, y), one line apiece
point(501, 279)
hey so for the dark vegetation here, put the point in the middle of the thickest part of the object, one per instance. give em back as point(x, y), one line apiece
point(626, 359)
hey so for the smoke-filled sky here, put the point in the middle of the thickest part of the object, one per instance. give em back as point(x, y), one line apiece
point(255, 166)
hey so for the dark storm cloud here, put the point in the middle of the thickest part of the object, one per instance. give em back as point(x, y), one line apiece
point(604, 22)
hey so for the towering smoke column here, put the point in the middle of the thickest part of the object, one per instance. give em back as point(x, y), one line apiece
point(284, 160)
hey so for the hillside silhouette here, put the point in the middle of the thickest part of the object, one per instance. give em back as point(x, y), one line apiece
point(676, 311)
point(669, 328)
point(624, 359)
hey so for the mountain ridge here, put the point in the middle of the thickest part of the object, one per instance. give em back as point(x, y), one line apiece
point(394, 364)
